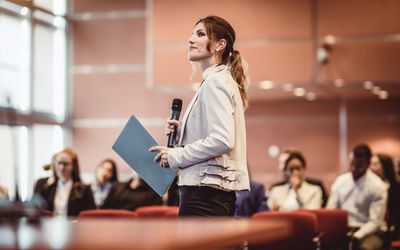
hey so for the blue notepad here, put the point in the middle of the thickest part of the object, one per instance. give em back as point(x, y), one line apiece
point(133, 145)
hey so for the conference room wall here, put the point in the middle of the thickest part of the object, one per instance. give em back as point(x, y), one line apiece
point(128, 57)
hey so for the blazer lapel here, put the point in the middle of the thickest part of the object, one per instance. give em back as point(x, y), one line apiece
point(186, 115)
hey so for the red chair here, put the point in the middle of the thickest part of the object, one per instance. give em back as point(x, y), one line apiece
point(154, 211)
point(173, 212)
point(332, 225)
point(395, 244)
point(107, 213)
point(303, 229)
point(46, 213)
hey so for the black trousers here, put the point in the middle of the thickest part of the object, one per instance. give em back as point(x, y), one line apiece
point(206, 202)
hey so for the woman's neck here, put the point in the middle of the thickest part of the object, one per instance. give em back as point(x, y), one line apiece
point(206, 63)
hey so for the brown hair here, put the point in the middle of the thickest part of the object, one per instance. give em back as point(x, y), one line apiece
point(75, 164)
point(218, 28)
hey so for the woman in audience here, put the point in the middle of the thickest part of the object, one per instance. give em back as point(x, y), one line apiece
point(136, 193)
point(296, 193)
point(67, 195)
point(105, 185)
point(382, 165)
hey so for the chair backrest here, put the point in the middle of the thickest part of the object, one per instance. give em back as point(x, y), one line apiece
point(303, 229)
point(332, 223)
point(107, 213)
point(173, 212)
point(155, 211)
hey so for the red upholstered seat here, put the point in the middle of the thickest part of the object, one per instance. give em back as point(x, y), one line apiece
point(303, 229)
point(332, 223)
point(155, 211)
point(45, 212)
point(107, 213)
point(396, 244)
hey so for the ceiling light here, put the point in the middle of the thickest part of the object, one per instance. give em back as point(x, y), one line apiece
point(24, 11)
point(311, 96)
point(287, 86)
point(266, 85)
point(299, 92)
point(383, 94)
point(376, 90)
point(368, 85)
point(273, 151)
point(339, 83)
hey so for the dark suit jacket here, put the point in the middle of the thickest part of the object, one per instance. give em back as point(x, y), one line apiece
point(250, 202)
point(130, 199)
point(114, 196)
point(80, 198)
point(312, 181)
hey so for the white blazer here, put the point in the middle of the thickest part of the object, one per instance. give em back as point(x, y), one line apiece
point(212, 144)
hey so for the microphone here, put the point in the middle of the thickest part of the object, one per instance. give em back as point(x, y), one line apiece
point(176, 108)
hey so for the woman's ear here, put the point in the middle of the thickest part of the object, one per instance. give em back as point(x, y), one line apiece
point(221, 45)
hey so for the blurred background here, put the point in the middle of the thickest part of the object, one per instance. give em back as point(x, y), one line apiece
point(325, 76)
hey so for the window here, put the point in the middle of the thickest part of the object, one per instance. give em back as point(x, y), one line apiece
point(33, 86)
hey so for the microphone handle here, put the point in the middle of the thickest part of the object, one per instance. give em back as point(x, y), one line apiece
point(172, 136)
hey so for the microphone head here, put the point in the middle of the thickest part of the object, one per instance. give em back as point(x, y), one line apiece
point(176, 105)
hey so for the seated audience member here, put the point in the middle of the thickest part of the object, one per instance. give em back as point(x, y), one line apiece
point(382, 165)
point(250, 202)
point(363, 195)
point(46, 181)
point(67, 195)
point(105, 186)
point(136, 193)
point(3, 193)
point(296, 193)
point(281, 165)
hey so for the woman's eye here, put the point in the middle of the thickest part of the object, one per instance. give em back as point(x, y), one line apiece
point(200, 34)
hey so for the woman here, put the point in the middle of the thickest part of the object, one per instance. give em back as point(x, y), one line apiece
point(104, 187)
point(211, 152)
point(67, 195)
point(382, 165)
point(296, 193)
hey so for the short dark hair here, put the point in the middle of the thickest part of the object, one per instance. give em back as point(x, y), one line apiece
point(294, 154)
point(362, 151)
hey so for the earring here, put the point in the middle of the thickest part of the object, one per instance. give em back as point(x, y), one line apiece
point(217, 49)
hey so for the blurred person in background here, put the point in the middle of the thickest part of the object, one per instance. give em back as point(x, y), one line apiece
point(295, 193)
point(383, 166)
point(363, 195)
point(67, 195)
point(286, 175)
point(105, 186)
point(136, 193)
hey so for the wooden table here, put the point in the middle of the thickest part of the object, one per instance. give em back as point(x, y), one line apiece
point(60, 233)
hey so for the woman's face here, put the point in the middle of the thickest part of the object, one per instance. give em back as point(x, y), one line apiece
point(198, 42)
point(63, 166)
point(104, 172)
point(295, 168)
point(376, 167)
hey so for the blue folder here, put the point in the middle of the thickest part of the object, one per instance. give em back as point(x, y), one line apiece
point(132, 145)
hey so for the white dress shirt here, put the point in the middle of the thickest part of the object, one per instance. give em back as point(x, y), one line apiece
point(363, 199)
point(61, 197)
point(100, 192)
point(308, 196)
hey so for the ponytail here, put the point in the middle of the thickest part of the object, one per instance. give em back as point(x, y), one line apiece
point(239, 75)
